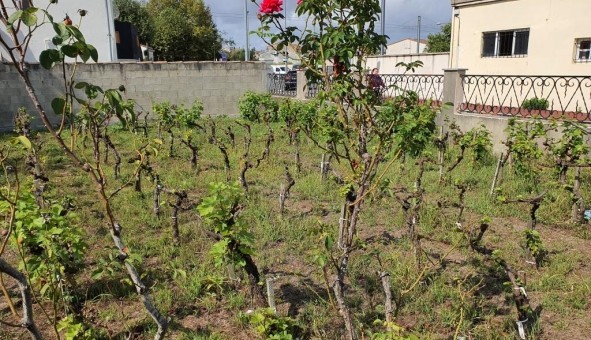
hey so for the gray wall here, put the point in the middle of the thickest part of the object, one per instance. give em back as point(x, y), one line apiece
point(218, 85)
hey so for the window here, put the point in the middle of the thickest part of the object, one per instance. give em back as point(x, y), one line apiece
point(505, 43)
point(583, 51)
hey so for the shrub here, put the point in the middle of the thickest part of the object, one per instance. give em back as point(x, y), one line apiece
point(535, 104)
point(270, 325)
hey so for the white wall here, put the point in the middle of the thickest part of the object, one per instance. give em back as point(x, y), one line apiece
point(433, 63)
point(97, 26)
point(554, 25)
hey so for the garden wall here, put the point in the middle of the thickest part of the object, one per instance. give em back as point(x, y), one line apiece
point(217, 84)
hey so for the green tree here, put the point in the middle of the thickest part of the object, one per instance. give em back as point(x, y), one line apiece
point(137, 14)
point(237, 54)
point(440, 42)
point(347, 123)
point(184, 30)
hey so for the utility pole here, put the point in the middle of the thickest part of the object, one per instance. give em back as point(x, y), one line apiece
point(419, 35)
point(383, 24)
point(247, 49)
point(286, 45)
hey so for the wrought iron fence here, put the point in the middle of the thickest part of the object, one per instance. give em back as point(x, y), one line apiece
point(426, 86)
point(311, 90)
point(528, 96)
point(279, 87)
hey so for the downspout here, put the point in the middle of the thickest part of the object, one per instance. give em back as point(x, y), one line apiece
point(458, 20)
point(110, 22)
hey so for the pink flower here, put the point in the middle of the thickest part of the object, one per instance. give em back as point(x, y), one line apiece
point(271, 6)
point(300, 2)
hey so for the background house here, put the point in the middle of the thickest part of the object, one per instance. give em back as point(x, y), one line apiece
point(406, 46)
point(97, 26)
point(521, 37)
point(288, 55)
point(433, 63)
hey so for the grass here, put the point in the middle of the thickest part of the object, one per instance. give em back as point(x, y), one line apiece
point(204, 303)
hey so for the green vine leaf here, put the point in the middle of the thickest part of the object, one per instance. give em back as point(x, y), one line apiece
point(69, 51)
point(58, 105)
point(49, 58)
point(61, 31)
point(25, 142)
point(75, 32)
point(29, 17)
point(93, 52)
point(14, 17)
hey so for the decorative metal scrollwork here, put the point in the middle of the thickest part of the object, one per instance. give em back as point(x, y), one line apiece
point(559, 97)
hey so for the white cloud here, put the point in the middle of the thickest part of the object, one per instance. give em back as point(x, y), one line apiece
point(401, 18)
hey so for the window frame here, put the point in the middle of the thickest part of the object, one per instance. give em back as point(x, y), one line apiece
point(578, 50)
point(501, 38)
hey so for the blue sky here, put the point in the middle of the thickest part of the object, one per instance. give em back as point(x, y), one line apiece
point(401, 18)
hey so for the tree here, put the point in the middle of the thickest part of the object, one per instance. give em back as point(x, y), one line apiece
point(440, 42)
point(184, 30)
point(133, 12)
point(173, 41)
point(237, 54)
point(348, 124)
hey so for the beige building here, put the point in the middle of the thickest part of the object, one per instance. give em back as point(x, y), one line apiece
point(521, 37)
point(406, 46)
point(433, 63)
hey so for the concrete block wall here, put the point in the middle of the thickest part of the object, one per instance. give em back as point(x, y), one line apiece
point(218, 85)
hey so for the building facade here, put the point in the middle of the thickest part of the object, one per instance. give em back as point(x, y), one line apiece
point(97, 26)
point(521, 37)
point(406, 46)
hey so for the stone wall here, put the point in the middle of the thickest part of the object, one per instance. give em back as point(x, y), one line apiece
point(218, 85)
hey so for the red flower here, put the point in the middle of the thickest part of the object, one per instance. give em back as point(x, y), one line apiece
point(271, 6)
point(300, 2)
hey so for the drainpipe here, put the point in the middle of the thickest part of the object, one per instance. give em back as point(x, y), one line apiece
point(457, 53)
point(110, 28)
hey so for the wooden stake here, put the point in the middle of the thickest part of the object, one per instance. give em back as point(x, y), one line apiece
point(496, 176)
point(271, 294)
point(281, 198)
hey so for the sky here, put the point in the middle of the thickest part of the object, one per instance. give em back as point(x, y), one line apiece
point(401, 18)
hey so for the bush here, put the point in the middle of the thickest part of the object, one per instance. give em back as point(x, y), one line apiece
point(270, 325)
point(535, 104)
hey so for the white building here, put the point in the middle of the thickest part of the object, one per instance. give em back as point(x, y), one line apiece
point(97, 26)
point(521, 37)
point(406, 46)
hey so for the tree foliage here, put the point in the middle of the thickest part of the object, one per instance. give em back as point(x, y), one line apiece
point(184, 30)
point(237, 54)
point(440, 42)
point(137, 14)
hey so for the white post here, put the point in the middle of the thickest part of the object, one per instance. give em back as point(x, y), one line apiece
point(383, 24)
point(247, 48)
point(419, 35)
